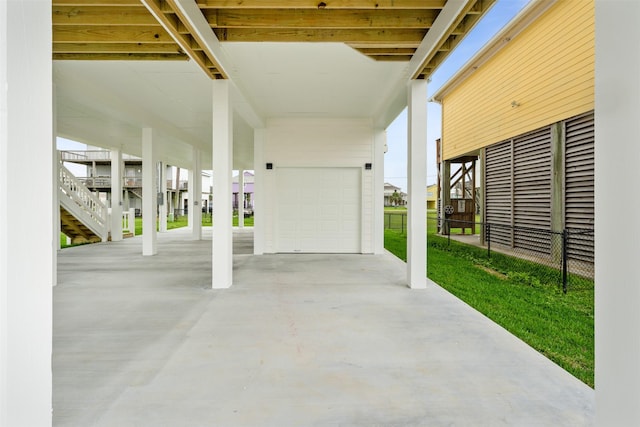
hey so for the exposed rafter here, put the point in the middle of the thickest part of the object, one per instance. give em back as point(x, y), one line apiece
point(182, 34)
point(383, 30)
point(315, 4)
point(327, 18)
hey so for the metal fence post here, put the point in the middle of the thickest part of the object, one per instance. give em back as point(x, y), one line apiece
point(565, 239)
point(488, 232)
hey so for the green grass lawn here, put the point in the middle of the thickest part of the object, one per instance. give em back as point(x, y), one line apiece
point(517, 295)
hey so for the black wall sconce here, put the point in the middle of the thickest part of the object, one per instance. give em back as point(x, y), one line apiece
point(269, 165)
point(367, 166)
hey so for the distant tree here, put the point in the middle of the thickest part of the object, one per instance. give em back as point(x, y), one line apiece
point(395, 198)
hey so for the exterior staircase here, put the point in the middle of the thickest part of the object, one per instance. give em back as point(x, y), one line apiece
point(83, 217)
point(136, 192)
point(75, 229)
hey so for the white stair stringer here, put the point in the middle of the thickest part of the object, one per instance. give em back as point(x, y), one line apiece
point(79, 201)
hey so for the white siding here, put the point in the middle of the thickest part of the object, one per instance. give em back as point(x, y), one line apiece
point(319, 143)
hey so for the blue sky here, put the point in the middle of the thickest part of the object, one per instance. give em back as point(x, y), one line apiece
point(395, 166)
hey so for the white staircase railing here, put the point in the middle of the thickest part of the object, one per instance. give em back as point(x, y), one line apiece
point(76, 198)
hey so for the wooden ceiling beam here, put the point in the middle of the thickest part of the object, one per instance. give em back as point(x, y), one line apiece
point(382, 45)
point(106, 3)
point(469, 20)
point(120, 56)
point(101, 15)
point(390, 51)
point(480, 7)
point(317, 4)
point(109, 34)
point(358, 37)
point(309, 18)
point(391, 58)
point(171, 22)
point(195, 36)
point(169, 48)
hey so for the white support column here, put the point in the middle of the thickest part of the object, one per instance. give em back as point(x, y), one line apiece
point(417, 185)
point(162, 217)
point(132, 221)
point(149, 194)
point(258, 191)
point(116, 195)
point(617, 152)
point(27, 250)
point(222, 241)
point(191, 187)
point(241, 198)
point(195, 203)
point(380, 142)
point(57, 228)
point(170, 206)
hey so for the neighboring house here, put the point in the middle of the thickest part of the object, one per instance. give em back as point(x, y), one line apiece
point(97, 178)
point(524, 106)
point(432, 196)
point(248, 191)
point(393, 196)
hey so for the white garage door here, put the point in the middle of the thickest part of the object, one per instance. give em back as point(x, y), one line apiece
point(318, 210)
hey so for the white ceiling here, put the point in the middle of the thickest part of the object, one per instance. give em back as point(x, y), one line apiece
point(107, 103)
point(311, 79)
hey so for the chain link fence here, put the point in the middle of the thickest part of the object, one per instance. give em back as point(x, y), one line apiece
point(569, 253)
point(565, 258)
point(395, 221)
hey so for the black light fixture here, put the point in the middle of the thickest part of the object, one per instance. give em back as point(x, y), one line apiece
point(367, 166)
point(269, 165)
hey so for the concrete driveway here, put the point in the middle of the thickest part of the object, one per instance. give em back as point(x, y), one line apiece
point(299, 340)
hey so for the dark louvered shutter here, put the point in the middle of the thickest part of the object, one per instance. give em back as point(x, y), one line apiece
point(579, 184)
point(532, 189)
point(498, 196)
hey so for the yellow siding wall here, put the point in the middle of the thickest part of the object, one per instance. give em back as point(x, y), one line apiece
point(432, 196)
point(548, 69)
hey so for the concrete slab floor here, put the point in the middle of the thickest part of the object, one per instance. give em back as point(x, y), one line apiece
point(299, 340)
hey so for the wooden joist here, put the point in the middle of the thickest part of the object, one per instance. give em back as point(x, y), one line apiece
point(318, 4)
point(110, 34)
point(102, 15)
point(326, 18)
point(117, 48)
point(399, 38)
point(383, 30)
point(106, 3)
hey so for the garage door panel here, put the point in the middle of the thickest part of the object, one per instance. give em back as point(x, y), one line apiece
point(318, 210)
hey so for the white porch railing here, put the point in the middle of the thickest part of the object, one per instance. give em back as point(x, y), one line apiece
point(76, 198)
